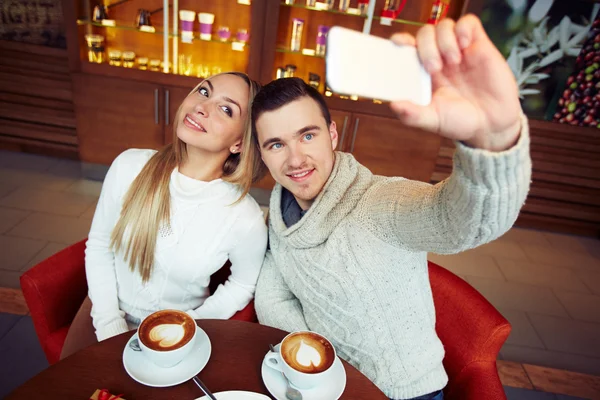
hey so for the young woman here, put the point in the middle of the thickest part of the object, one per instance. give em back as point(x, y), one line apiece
point(167, 220)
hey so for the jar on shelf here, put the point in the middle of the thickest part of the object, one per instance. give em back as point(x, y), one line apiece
point(314, 80)
point(128, 59)
point(95, 47)
point(154, 65)
point(114, 58)
point(223, 33)
point(290, 70)
point(142, 63)
point(242, 35)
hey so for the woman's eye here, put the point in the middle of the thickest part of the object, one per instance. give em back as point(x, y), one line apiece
point(203, 91)
point(308, 136)
point(276, 146)
point(227, 110)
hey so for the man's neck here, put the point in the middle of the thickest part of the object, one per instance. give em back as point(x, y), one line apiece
point(304, 204)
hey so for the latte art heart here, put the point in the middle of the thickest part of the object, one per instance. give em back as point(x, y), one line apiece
point(167, 335)
point(167, 330)
point(307, 352)
point(307, 355)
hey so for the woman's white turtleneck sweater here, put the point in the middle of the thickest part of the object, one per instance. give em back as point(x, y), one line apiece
point(206, 230)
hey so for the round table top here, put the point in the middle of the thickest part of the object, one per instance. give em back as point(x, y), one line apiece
point(238, 349)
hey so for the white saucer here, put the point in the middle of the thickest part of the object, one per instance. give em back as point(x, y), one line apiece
point(147, 373)
point(237, 395)
point(332, 390)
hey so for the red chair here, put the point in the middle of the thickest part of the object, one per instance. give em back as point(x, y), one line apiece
point(472, 332)
point(55, 289)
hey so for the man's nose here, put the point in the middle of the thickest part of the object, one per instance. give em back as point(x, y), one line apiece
point(296, 157)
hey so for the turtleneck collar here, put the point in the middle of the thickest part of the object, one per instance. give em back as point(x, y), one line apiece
point(190, 189)
point(343, 190)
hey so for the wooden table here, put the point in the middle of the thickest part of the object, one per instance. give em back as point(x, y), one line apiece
point(238, 349)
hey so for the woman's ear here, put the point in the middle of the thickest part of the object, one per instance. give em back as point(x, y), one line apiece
point(237, 147)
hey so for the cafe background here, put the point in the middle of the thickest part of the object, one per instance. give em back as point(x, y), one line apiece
point(36, 22)
point(54, 101)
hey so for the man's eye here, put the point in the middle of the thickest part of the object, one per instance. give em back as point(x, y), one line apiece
point(309, 136)
point(203, 91)
point(276, 146)
point(227, 110)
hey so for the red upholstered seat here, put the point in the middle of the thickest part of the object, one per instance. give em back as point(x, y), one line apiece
point(55, 289)
point(472, 332)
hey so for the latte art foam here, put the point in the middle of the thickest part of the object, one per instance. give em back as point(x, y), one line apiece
point(307, 356)
point(307, 352)
point(167, 330)
point(167, 335)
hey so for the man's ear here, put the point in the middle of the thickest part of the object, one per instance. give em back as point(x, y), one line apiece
point(334, 135)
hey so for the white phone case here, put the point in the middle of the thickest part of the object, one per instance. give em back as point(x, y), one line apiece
point(376, 68)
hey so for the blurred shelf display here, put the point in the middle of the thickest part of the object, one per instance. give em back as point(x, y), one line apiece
point(215, 38)
point(399, 21)
point(303, 52)
point(124, 27)
point(215, 32)
point(151, 57)
point(324, 7)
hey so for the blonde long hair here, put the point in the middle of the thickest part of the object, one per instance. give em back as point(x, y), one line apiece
point(147, 203)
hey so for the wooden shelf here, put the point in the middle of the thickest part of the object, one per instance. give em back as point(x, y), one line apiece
point(157, 32)
point(317, 9)
point(403, 22)
point(300, 53)
point(136, 74)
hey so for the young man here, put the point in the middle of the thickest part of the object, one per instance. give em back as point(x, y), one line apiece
point(348, 250)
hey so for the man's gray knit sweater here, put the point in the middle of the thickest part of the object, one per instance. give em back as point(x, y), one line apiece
point(354, 268)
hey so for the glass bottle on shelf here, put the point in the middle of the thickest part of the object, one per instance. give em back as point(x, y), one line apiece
point(363, 7)
point(390, 11)
point(438, 11)
point(329, 4)
point(321, 40)
point(344, 5)
point(297, 30)
point(280, 73)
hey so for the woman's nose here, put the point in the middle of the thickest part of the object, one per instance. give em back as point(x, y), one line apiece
point(201, 108)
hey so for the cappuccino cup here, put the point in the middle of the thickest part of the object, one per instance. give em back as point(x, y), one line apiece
point(305, 358)
point(167, 336)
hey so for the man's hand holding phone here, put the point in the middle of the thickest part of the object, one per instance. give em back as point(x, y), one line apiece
point(475, 95)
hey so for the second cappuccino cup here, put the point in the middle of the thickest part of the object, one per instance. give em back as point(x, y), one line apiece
point(306, 358)
point(166, 337)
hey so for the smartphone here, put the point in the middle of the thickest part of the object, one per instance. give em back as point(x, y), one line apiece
point(373, 67)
